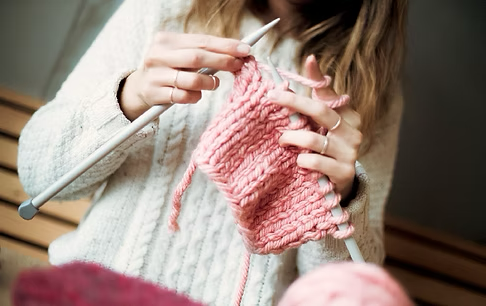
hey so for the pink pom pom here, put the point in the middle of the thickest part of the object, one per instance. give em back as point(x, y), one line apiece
point(346, 284)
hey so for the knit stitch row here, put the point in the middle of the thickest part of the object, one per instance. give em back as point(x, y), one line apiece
point(276, 204)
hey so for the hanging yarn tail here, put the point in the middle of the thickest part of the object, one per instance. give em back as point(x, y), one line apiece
point(244, 277)
point(177, 197)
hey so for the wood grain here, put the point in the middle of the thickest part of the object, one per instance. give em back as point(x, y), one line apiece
point(434, 291)
point(12, 120)
point(29, 102)
point(8, 152)
point(454, 265)
point(426, 235)
point(11, 190)
point(41, 230)
point(23, 248)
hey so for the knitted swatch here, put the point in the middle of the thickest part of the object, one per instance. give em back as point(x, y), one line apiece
point(276, 204)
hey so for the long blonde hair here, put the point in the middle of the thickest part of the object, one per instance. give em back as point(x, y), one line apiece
point(359, 44)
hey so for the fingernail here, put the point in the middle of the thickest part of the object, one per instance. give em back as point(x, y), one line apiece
point(272, 94)
point(243, 48)
point(282, 142)
point(299, 159)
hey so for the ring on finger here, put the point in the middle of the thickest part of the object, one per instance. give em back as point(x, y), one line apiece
point(214, 82)
point(171, 95)
point(338, 123)
point(325, 144)
point(175, 79)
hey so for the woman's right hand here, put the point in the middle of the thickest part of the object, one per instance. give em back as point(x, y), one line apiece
point(169, 73)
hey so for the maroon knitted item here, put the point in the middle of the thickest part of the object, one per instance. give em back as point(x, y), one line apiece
point(88, 285)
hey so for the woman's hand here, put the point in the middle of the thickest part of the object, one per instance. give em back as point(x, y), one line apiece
point(337, 158)
point(169, 74)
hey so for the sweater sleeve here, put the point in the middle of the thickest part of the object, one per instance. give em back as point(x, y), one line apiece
point(85, 112)
point(366, 209)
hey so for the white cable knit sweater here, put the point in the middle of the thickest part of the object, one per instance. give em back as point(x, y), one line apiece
point(126, 227)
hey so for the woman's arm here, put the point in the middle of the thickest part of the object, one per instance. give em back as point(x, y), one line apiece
point(85, 112)
point(374, 173)
point(91, 107)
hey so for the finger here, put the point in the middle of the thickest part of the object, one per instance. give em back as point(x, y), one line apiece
point(165, 76)
point(192, 59)
point(185, 96)
point(308, 140)
point(313, 72)
point(215, 44)
point(166, 95)
point(335, 147)
point(352, 117)
point(338, 173)
point(317, 110)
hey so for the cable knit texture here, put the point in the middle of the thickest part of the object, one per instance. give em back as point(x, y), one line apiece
point(125, 229)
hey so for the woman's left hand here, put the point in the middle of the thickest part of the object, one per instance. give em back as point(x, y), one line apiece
point(343, 142)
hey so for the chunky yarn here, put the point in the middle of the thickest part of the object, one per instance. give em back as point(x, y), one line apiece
point(89, 284)
point(344, 284)
point(276, 204)
point(81, 284)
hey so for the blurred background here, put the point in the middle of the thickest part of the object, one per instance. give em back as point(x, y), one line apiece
point(437, 204)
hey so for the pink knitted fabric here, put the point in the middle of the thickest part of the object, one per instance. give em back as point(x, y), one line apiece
point(276, 204)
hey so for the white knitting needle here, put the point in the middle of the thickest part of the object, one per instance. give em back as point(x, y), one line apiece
point(28, 209)
point(323, 181)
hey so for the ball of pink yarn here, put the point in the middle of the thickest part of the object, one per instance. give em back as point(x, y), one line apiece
point(346, 284)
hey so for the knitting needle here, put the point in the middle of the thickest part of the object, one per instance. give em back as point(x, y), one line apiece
point(29, 208)
point(323, 181)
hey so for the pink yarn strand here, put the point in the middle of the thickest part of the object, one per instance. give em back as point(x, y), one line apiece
point(341, 101)
point(176, 199)
point(244, 277)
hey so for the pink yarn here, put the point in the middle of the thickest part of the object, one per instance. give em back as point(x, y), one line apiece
point(244, 277)
point(346, 284)
point(276, 204)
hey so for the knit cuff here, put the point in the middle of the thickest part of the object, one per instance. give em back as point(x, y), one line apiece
point(358, 210)
point(105, 116)
point(356, 202)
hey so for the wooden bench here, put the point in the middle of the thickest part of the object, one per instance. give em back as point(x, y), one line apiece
point(435, 268)
point(28, 237)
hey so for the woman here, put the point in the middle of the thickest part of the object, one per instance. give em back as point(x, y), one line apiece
point(142, 58)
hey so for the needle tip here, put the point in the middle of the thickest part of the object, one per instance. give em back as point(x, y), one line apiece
point(258, 34)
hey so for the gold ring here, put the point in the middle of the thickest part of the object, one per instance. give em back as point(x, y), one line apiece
point(325, 144)
point(214, 82)
point(338, 123)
